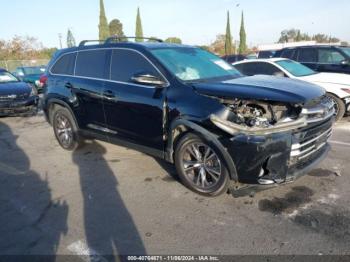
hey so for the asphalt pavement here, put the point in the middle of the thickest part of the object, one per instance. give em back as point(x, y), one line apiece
point(106, 199)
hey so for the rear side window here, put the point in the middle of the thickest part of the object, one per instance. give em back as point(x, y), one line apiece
point(288, 53)
point(64, 65)
point(307, 55)
point(127, 63)
point(330, 56)
point(258, 68)
point(247, 69)
point(91, 63)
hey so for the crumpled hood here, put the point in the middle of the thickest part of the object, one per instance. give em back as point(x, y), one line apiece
point(261, 87)
point(330, 78)
point(16, 88)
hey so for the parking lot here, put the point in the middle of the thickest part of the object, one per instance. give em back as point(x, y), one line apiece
point(105, 199)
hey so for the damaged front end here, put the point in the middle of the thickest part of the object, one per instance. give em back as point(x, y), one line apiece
point(272, 142)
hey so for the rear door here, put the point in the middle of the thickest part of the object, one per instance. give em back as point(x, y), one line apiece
point(308, 57)
point(330, 60)
point(90, 72)
point(134, 112)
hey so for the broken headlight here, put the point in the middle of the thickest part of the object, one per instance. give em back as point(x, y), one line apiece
point(254, 117)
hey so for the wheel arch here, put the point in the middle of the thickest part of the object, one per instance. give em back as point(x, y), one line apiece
point(181, 127)
point(50, 105)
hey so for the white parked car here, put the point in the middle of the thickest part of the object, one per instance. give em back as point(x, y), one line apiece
point(336, 85)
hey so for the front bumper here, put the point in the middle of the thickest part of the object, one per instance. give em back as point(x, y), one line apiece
point(278, 158)
point(17, 107)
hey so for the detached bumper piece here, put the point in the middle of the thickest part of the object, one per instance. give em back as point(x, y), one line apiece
point(18, 107)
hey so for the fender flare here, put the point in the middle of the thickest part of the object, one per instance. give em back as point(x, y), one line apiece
point(61, 103)
point(169, 152)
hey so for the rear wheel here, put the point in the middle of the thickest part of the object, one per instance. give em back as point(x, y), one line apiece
point(65, 129)
point(200, 166)
point(339, 106)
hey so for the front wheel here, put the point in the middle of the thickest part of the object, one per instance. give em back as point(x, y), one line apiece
point(200, 166)
point(339, 106)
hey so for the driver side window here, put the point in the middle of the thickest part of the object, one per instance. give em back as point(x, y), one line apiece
point(127, 63)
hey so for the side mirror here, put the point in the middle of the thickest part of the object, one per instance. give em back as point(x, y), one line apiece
point(148, 79)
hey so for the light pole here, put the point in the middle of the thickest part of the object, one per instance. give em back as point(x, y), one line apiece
point(60, 39)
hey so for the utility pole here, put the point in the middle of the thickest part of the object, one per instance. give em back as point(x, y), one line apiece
point(60, 39)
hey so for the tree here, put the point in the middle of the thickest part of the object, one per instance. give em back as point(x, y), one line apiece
point(24, 48)
point(229, 50)
point(243, 39)
point(70, 39)
point(173, 40)
point(139, 31)
point(116, 28)
point(218, 46)
point(298, 37)
point(103, 25)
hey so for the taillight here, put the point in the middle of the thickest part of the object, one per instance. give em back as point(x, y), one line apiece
point(43, 80)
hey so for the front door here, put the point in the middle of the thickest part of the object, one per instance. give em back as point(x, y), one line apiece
point(134, 112)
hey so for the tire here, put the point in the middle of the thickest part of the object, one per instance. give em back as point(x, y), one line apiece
point(65, 128)
point(339, 106)
point(200, 166)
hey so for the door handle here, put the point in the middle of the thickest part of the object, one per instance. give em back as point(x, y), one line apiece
point(68, 85)
point(108, 94)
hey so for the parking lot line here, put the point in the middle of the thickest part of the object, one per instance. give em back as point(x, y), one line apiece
point(87, 254)
point(339, 143)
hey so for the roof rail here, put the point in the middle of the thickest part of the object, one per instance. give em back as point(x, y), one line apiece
point(123, 38)
point(82, 43)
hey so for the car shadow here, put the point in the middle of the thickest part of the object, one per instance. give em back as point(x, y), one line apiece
point(109, 227)
point(31, 221)
point(170, 169)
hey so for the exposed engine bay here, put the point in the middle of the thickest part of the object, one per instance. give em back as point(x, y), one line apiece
point(260, 114)
point(267, 117)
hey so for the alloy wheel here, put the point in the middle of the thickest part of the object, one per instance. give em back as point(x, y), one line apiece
point(201, 165)
point(64, 130)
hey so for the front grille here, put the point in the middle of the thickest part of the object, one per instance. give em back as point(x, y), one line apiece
point(13, 97)
point(310, 141)
point(8, 97)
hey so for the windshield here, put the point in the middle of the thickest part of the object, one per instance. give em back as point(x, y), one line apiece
point(6, 77)
point(194, 64)
point(346, 50)
point(33, 70)
point(295, 68)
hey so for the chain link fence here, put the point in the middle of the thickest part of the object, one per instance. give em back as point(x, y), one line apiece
point(11, 65)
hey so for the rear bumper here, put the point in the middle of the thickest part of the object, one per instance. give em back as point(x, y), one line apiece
point(17, 107)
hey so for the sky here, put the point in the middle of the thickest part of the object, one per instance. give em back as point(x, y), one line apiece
point(196, 22)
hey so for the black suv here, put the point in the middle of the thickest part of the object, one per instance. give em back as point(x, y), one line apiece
point(334, 59)
point(189, 107)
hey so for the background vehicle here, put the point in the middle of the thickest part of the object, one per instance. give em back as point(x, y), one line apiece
point(191, 108)
point(16, 97)
point(30, 74)
point(233, 58)
point(266, 54)
point(336, 85)
point(334, 59)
